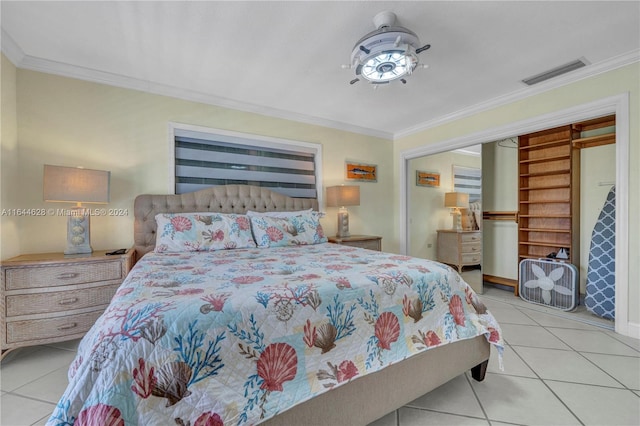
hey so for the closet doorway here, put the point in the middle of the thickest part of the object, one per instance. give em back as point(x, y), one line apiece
point(618, 105)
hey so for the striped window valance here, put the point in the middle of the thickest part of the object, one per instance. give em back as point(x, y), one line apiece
point(469, 180)
point(210, 159)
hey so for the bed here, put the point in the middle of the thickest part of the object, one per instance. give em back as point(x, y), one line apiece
point(296, 331)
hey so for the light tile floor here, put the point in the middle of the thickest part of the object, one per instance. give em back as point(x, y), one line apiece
point(559, 369)
point(556, 371)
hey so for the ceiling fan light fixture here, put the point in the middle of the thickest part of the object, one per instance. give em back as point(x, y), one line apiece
point(388, 53)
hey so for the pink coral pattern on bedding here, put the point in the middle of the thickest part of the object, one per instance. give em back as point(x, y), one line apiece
point(180, 232)
point(237, 336)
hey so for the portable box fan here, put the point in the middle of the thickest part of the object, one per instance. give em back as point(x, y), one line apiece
point(549, 283)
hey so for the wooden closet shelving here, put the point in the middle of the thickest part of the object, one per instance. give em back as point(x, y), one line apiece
point(584, 140)
point(549, 186)
point(549, 171)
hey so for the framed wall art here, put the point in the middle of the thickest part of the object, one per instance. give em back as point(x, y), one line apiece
point(431, 179)
point(361, 172)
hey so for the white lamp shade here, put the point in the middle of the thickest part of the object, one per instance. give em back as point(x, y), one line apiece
point(343, 195)
point(456, 200)
point(76, 185)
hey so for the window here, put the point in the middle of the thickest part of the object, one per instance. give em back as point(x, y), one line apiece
point(469, 180)
point(210, 157)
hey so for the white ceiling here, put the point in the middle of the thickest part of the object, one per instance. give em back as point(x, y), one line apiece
point(284, 58)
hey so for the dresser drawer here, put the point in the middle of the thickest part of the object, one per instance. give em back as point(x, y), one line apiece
point(471, 248)
point(361, 241)
point(50, 276)
point(59, 301)
point(371, 244)
point(20, 331)
point(470, 237)
point(471, 258)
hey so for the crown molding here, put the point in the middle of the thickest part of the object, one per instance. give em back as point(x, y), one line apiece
point(16, 55)
point(554, 83)
point(10, 49)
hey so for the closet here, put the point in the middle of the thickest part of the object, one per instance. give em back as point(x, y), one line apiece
point(549, 187)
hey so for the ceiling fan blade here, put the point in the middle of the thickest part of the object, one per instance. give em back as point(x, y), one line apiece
point(422, 49)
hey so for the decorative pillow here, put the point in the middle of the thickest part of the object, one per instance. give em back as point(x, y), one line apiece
point(179, 232)
point(281, 215)
point(296, 230)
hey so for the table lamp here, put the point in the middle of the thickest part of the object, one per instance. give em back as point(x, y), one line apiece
point(343, 196)
point(456, 201)
point(76, 185)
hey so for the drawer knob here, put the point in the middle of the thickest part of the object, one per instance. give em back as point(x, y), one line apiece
point(68, 275)
point(68, 301)
point(68, 326)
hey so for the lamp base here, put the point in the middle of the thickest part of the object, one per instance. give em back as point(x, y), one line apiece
point(343, 223)
point(457, 220)
point(78, 241)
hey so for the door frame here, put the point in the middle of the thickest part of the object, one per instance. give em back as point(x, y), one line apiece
point(618, 105)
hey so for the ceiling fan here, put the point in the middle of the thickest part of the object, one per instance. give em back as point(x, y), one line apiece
point(386, 54)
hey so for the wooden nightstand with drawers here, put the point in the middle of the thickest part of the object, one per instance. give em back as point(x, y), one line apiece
point(50, 297)
point(459, 248)
point(363, 241)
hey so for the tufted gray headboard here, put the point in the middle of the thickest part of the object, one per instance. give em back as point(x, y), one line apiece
point(220, 199)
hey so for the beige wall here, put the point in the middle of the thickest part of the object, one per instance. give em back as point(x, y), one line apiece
point(499, 193)
point(597, 165)
point(9, 244)
point(426, 205)
point(616, 82)
point(69, 122)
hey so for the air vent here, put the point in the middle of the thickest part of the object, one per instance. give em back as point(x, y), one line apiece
point(562, 69)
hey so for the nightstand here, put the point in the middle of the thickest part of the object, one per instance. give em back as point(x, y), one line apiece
point(363, 241)
point(51, 297)
point(459, 248)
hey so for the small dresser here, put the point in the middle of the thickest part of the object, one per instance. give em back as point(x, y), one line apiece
point(50, 297)
point(363, 241)
point(459, 248)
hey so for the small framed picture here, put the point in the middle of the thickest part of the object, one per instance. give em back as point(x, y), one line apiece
point(362, 172)
point(431, 179)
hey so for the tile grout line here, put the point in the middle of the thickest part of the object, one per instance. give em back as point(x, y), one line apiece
point(583, 384)
point(53, 404)
point(45, 418)
point(548, 387)
point(594, 364)
point(431, 410)
point(475, 394)
point(593, 323)
point(12, 391)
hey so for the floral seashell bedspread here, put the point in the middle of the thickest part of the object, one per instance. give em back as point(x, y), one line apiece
point(236, 336)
